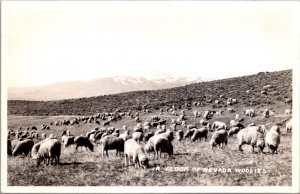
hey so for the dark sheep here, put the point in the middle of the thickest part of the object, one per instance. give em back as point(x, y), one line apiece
point(112, 143)
point(200, 133)
point(23, 147)
point(83, 141)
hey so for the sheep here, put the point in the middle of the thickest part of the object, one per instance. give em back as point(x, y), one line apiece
point(83, 141)
point(47, 150)
point(179, 135)
point(44, 136)
point(67, 140)
point(263, 92)
point(116, 134)
point(9, 147)
point(178, 121)
point(237, 117)
point(183, 123)
point(288, 112)
point(289, 126)
point(219, 138)
point(159, 144)
point(138, 129)
point(137, 119)
point(234, 123)
point(266, 87)
point(14, 143)
point(159, 131)
point(199, 133)
point(173, 121)
point(266, 113)
point(51, 136)
point(68, 133)
point(191, 126)
point(23, 147)
point(173, 126)
point(35, 135)
point(252, 136)
point(250, 112)
point(233, 130)
point(135, 151)
point(273, 139)
point(230, 110)
point(148, 135)
point(251, 125)
point(189, 133)
point(219, 125)
point(219, 113)
point(112, 143)
point(168, 134)
point(207, 114)
point(196, 114)
point(125, 135)
point(137, 136)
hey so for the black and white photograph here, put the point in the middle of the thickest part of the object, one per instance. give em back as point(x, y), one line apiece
point(150, 96)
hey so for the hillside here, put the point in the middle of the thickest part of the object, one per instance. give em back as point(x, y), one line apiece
point(155, 99)
point(97, 87)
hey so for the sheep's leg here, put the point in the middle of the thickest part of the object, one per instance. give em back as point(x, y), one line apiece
point(107, 153)
point(125, 159)
point(240, 147)
point(252, 148)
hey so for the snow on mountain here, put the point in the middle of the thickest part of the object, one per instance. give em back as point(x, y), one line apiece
point(101, 86)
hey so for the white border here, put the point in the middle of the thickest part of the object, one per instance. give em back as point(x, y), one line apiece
point(169, 189)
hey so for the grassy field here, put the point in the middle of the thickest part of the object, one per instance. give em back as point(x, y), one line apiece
point(85, 168)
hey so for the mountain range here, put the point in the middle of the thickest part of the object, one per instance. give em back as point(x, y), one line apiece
point(96, 87)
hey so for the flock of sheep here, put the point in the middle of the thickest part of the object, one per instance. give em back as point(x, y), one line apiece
point(153, 136)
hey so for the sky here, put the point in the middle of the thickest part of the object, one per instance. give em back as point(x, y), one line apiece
point(47, 42)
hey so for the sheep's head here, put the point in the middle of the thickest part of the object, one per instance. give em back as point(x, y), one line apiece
point(212, 143)
point(144, 162)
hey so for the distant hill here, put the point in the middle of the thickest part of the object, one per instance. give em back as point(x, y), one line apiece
point(155, 99)
point(97, 87)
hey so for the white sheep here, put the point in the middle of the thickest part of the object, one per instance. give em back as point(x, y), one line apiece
point(250, 112)
point(125, 135)
point(273, 139)
point(137, 136)
point(219, 125)
point(237, 117)
point(44, 136)
point(289, 126)
point(135, 151)
point(253, 136)
point(288, 112)
point(47, 150)
point(202, 122)
point(196, 114)
point(173, 126)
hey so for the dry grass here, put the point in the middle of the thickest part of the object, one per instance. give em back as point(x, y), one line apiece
point(85, 168)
